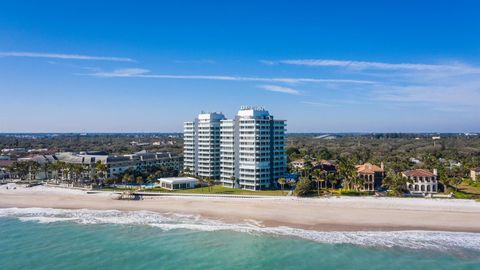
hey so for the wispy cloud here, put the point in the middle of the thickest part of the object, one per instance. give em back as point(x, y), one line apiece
point(144, 73)
point(126, 72)
point(460, 95)
point(362, 65)
point(452, 87)
point(64, 56)
point(201, 61)
point(280, 89)
point(317, 104)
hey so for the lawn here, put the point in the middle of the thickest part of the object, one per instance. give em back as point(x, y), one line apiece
point(467, 190)
point(215, 190)
point(233, 191)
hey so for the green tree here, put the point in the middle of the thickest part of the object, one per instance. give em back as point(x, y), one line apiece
point(46, 167)
point(62, 169)
point(150, 179)
point(330, 177)
point(20, 168)
point(78, 169)
point(281, 181)
point(304, 187)
point(395, 182)
point(139, 180)
point(100, 170)
point(318, 177)
point(347, 170)
point(233, 179)
point(33, 168)
point(126, 178)
point(187, 171)
point(210, 183)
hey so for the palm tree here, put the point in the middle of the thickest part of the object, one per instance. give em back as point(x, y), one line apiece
point(357, 183)
point(232, 178)
point(60, 166)
point(20, 168)
point(347, 170)
point(126, 178)
point(139, 181)
point(292, 184)
point(331, 179)
point(77, 170)
point(33, 169)
point(46, 167)
point(395, 182)
point(333, 182)
point(100, 169)
point(318, 178)
point(282, 182)
point(150, 179)
point(211, 183)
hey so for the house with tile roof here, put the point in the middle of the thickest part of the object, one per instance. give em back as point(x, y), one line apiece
point(372, 175)
point(421, 181)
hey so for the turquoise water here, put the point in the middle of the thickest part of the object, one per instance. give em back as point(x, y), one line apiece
point(58, 239)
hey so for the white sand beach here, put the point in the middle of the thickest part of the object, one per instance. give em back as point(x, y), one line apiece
point(323, 214)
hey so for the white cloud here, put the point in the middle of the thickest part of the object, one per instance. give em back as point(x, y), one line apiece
point(126, 72)
point(361, 65)
point(64, 56)
point(280, 89)
point(142, 73)
point(435, 87)
point(461, 95)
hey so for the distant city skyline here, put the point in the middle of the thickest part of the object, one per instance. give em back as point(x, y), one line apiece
point(325, 67)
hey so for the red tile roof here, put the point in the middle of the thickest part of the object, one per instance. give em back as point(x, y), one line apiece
point(368, 168)
point(418, 173)
point(5, 163)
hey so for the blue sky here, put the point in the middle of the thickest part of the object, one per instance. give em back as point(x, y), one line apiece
point(336, 66)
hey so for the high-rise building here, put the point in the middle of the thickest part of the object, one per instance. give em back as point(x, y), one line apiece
point(246, 152)
point(202, 145)
point(252, 151)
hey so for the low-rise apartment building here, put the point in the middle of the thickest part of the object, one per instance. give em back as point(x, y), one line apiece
point(116, 164)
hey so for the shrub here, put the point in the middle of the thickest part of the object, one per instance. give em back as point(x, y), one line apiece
point(304, 187)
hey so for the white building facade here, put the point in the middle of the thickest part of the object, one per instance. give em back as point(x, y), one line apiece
point(202, 145)
point(246, 152)
point(421, 181)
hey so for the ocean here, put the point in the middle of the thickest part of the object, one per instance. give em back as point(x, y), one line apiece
point(40, 238)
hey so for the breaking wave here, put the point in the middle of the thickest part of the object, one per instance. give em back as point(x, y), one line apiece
point(433, 240)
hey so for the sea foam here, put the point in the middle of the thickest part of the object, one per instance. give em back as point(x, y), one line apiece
point(434, 240)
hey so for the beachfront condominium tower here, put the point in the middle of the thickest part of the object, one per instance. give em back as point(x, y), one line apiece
point(202, 145)
point(252, 150)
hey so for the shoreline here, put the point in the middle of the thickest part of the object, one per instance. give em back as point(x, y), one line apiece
point(319, 214)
